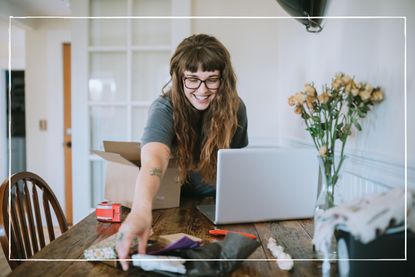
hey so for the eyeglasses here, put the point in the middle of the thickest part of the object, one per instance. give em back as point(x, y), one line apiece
point(194, 83)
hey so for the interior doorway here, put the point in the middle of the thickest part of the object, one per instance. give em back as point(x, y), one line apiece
point(67, 135)
point(18, 122)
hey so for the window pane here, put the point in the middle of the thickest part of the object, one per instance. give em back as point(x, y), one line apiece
point(139, 120)
point(152, 7)
point(151, 31)
point(107, 77)
point(107, 123)
point(108, 32)
point(150, 72)
point(97, 181)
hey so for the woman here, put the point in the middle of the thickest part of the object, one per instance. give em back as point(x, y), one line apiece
point(198, 115)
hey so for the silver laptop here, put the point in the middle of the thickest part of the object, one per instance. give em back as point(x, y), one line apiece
point(262, 184)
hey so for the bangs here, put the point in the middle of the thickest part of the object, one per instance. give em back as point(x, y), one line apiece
point(206, 59)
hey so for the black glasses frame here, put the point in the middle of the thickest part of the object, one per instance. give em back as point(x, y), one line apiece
point(200, 83)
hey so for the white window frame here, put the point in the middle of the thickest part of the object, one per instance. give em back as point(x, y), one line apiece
point(81, 152)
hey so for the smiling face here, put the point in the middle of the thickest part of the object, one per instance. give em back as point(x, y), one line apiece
point(201, 97)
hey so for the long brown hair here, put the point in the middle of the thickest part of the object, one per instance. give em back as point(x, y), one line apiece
point(219, 121)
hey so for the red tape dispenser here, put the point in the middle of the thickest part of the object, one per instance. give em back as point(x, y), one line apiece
point(108, 212)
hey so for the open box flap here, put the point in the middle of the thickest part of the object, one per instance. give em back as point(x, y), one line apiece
point(113, 157)
point(128, 150)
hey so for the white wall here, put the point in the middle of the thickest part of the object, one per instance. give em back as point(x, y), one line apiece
point(17, 63)
point(252, 44)
point(3, 129)
point(370, 49)
point(44, 100)
point(273, 59)
point(18, 46)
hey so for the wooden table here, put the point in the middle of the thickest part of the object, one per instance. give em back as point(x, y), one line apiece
point(294, 235)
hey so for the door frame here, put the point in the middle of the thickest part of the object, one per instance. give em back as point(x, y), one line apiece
point(67, 137)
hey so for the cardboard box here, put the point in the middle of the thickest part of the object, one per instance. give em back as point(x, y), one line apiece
point(122, 167)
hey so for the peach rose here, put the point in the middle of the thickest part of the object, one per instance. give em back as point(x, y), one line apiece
point(300, 98)
point(324, 97)
point(310, 90)
point(311, 102)
point(298, 109)
point(366, 93)
point(323, 150)
point(291, 100)
point(377, 95)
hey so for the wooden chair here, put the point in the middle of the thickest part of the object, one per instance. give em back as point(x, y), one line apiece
point(28, 211)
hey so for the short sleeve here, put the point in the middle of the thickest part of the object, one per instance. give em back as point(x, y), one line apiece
point(240, 139)
point(159, 126)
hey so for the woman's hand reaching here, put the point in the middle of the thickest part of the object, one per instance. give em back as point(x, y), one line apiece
point(136, 225)
point(154, 160)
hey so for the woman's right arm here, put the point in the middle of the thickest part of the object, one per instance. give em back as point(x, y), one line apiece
point(154, 161)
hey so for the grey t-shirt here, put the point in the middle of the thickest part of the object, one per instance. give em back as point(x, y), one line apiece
point(159, 128)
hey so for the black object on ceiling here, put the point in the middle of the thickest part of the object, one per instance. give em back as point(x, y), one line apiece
point(306, 8)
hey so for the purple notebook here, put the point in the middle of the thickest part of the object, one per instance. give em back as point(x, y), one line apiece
point(182, 243)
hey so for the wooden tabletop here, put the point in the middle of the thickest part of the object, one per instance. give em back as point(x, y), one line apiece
point(66, 251)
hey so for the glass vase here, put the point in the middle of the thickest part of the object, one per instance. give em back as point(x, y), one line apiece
point(330, 181)
point(330, 185)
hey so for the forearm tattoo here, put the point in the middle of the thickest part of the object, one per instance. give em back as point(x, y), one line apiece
point(155, 172)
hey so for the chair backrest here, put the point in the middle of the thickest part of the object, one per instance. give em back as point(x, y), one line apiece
point(30, 207)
